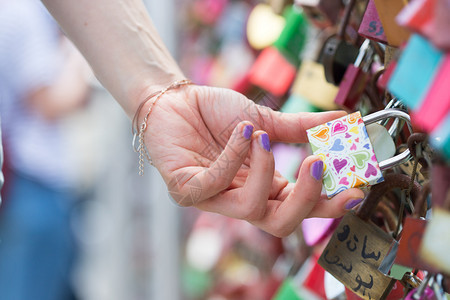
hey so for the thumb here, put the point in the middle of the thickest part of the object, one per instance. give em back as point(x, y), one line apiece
point(217, 177)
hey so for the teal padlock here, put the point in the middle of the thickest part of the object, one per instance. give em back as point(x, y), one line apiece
point(440, 138)
point(415, 71)
point(296, 103)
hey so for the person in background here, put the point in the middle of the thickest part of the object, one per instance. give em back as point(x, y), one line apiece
point(43, 78)
point(210, 145)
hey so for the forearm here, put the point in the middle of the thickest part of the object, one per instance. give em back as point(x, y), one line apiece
point(121, 44)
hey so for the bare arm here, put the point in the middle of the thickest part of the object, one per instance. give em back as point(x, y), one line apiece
point(208, 140)
point(121, 44)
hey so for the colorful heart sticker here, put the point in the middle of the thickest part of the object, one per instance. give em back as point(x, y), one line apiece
point(322, 134)
point(348, 155)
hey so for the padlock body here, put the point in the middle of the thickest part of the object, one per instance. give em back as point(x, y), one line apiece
point(415, 71)
point(293, 37)
point(347, 153)
point(439, 36)
point(287, 290)
point(440, 138)
point(296, 103)
point(436, 104)
point(427, 294)
point(371, 26)
point(387, 11)
point(263, 26)
point(272, 72)
point(316, 230)
point(337, 56)
point(408, 250)
point(419, 17)
point(351, 88)
point(353, 255)
point(436, 244)
point(310, 84)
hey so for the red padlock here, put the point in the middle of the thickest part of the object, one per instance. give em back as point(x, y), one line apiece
point(272, 72)
point(412, 235)
point(418, 16)
point(383, 80)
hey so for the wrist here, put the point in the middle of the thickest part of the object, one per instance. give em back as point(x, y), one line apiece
point(140, 91)
point(143, 112)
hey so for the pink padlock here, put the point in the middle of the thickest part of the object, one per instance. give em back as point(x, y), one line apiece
point(436, 104)
point(355, 78)
point(439, 36)
point(425, 294)
point(316, 230)
point(371, 26)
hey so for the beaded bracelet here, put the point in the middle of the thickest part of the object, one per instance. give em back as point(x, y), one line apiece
point(138, 132)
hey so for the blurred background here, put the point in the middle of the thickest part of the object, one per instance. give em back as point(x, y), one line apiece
point(77, 221)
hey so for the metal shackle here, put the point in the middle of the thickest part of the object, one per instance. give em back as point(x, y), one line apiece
point(385, 114)
point(377, 192)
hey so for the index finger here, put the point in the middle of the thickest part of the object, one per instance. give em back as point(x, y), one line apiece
point(291, 127)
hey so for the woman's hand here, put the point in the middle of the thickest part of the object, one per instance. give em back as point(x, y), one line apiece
point(197, 136)
point(211, 146)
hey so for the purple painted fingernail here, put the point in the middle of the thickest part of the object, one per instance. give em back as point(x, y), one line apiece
point(352, 203)
point(264, 140)
point(248, 130)
point(317, 169)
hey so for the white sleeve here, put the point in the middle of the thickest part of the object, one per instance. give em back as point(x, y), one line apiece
point(30, 58)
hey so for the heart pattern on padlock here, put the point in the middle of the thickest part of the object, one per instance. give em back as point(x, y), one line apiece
point(359, 158)
point(322, 134)
point(337, 145)
point(345, 146)
point(338, 127)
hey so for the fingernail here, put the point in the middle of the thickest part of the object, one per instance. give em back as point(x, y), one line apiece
point(352, 203)
point(247, 132)
point(317, 169)
point(265, 142)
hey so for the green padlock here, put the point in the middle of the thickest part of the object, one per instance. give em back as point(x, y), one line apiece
point(293, 37)
point(287, 291)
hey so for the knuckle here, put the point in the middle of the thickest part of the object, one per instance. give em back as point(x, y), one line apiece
point(252, 212)
point(251, 207)
point(281, 229)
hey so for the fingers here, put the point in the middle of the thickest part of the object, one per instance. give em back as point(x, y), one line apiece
point(282, 217)
point(304, 200)
point(220, 174)
point(338, 205)
point(248, 202)
point(290, 127)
